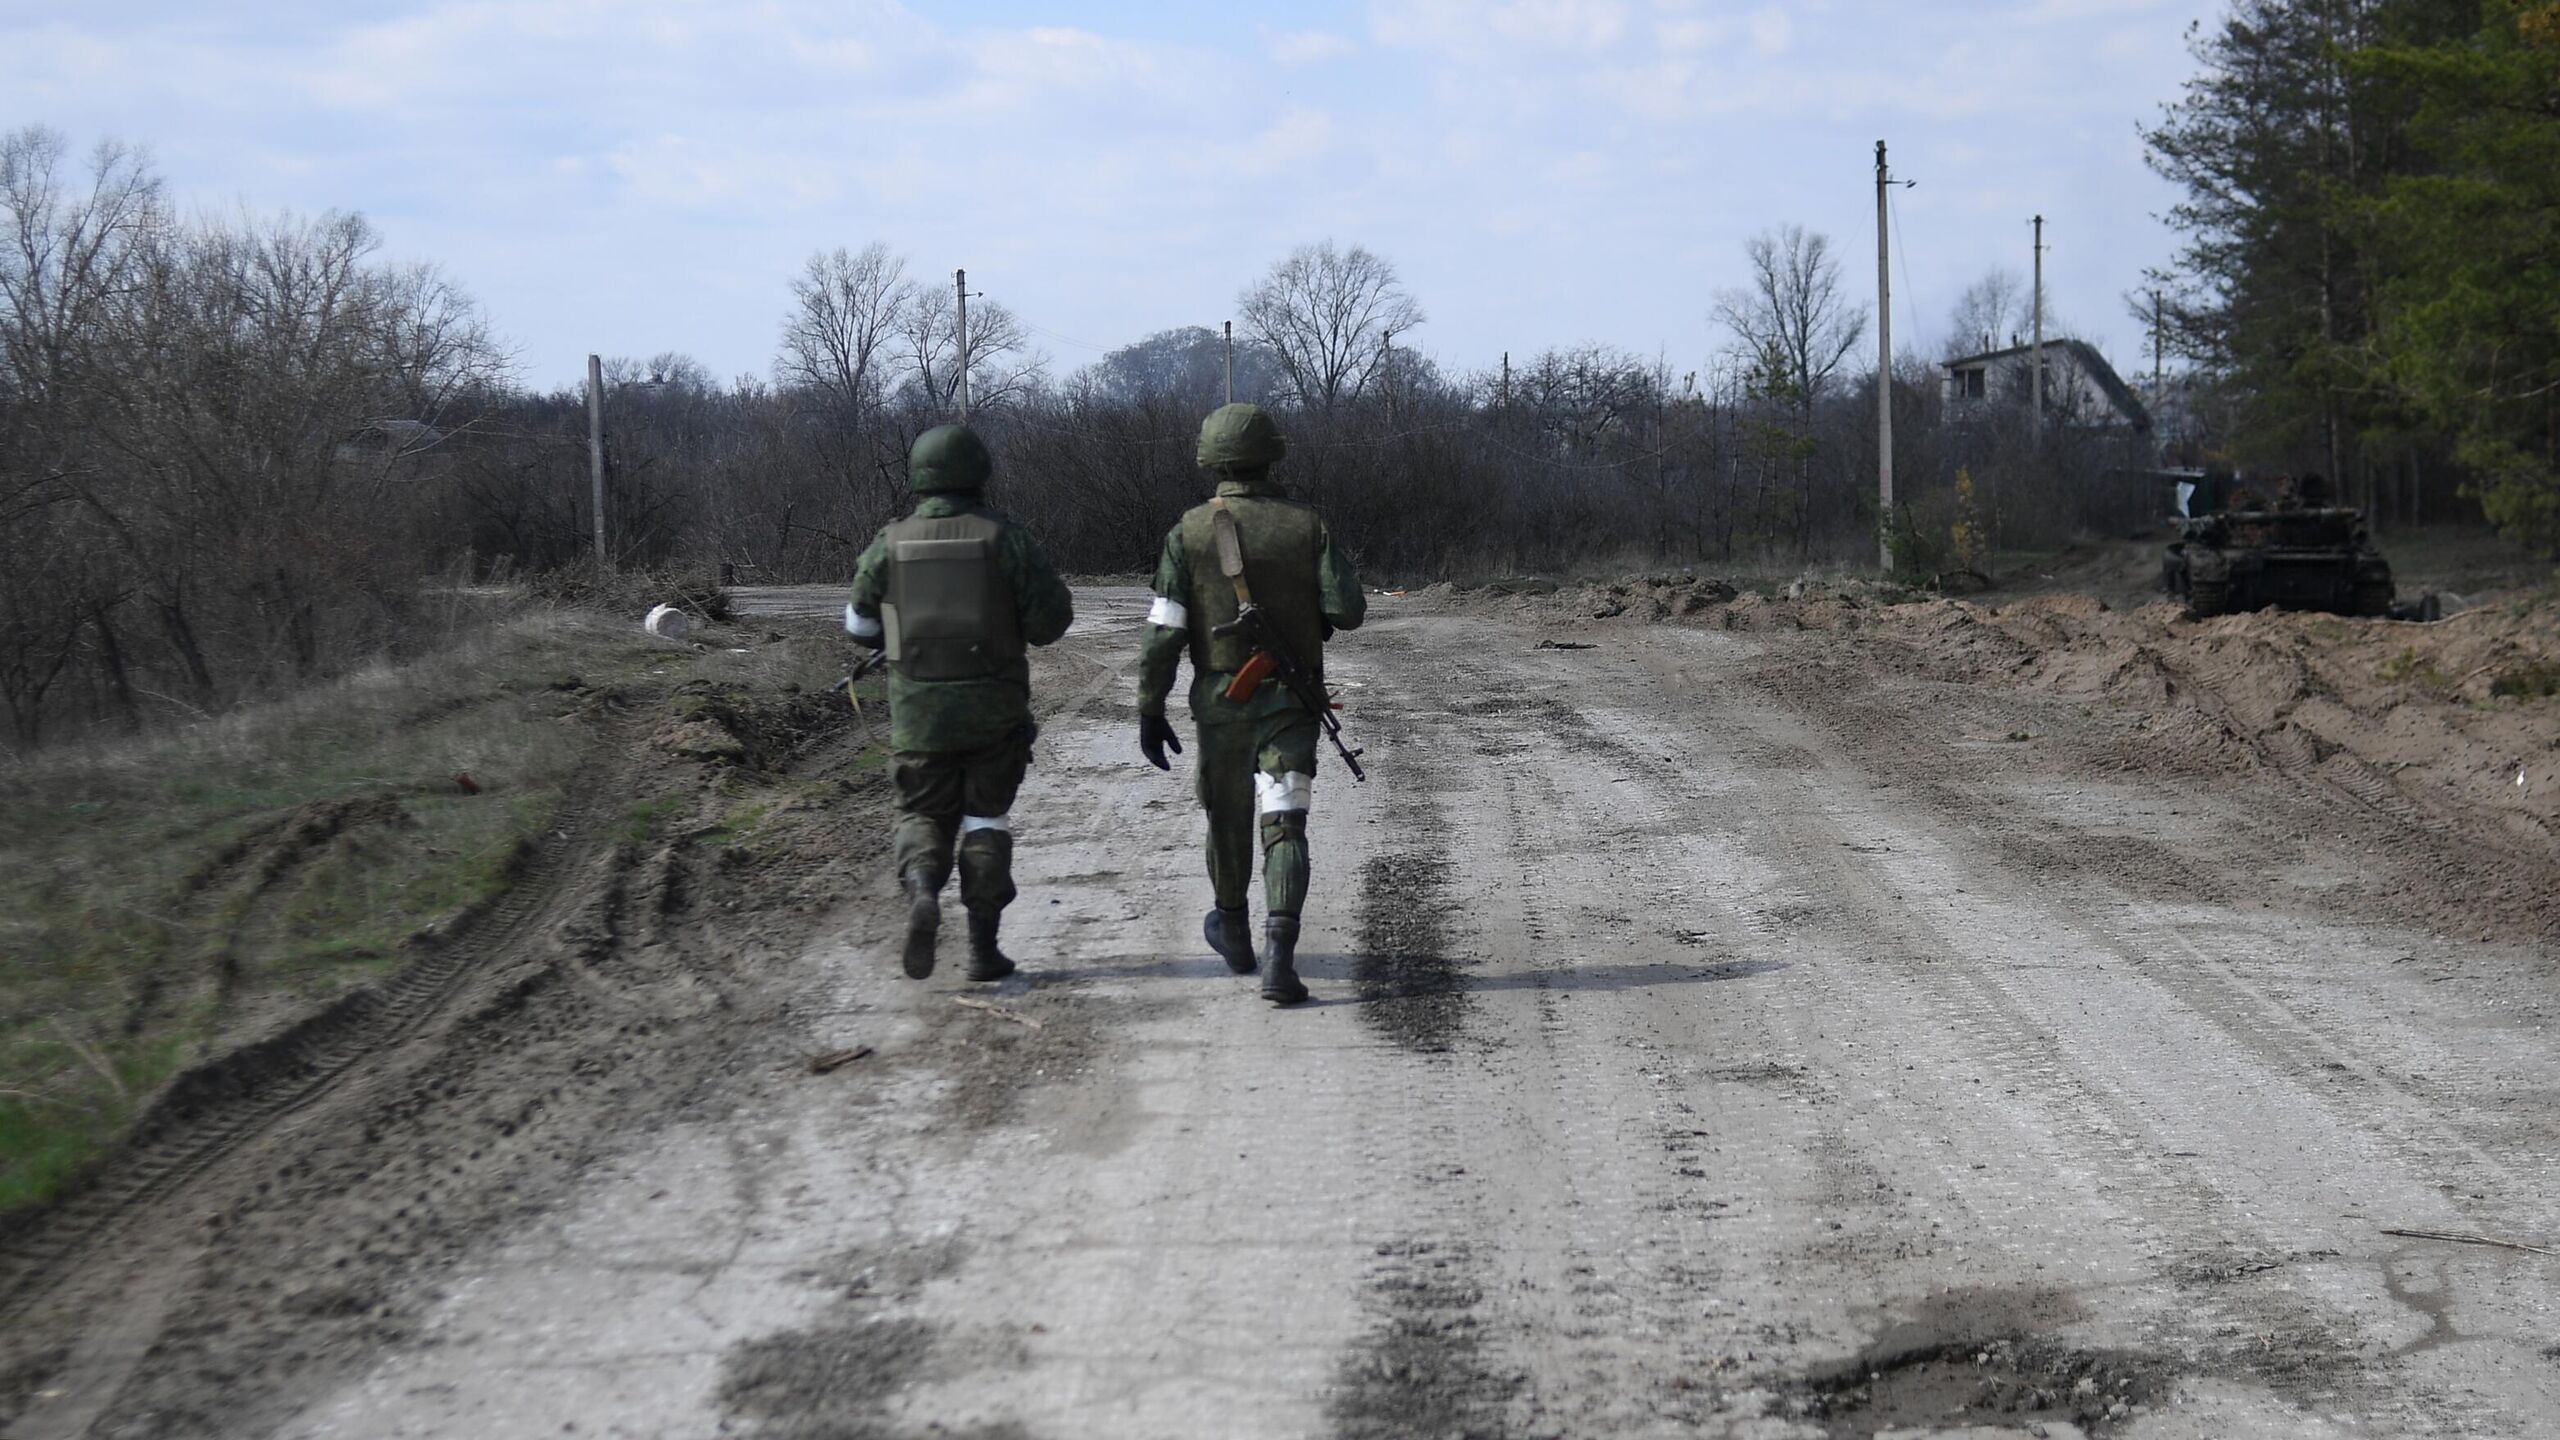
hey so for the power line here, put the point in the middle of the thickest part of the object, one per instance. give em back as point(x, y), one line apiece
point(1902, 252)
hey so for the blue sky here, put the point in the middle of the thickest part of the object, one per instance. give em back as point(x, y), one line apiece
point(643, 175)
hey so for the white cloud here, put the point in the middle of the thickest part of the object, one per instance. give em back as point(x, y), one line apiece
point(1298, 138)
point(1305, 47)
point(1771, 31)
point(1458, 27)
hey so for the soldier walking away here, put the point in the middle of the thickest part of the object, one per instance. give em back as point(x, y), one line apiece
point(1257, 757)
point(954, 594)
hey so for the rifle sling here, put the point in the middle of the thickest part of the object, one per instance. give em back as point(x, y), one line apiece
point(1222, 524)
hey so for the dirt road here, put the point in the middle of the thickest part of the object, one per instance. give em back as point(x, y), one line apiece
point(1716, 1035)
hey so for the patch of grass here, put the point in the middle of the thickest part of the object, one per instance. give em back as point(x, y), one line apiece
point(641, 818)
point(740, 823)
point(2415, 670)
point(2538, 680)
point(164, 899)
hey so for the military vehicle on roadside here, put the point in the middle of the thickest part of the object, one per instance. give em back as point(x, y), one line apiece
point(2290, 556)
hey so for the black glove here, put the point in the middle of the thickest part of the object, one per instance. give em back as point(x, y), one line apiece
point(1155, 736)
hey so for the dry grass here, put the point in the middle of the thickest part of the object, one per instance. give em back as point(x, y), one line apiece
point(166, 897)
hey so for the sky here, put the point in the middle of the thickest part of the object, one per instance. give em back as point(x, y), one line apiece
point(648, 175)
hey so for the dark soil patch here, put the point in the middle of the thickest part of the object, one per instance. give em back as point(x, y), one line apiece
point(1422, 1373)
point(1409, 987)
point(834, 1380)
point(2015, 1381)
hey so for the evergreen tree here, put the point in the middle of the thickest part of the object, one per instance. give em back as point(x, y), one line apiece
point(2468, 245)
point(2270, 142)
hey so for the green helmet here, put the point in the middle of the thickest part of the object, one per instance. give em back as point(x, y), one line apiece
point(949, 458)
point(1240, 436)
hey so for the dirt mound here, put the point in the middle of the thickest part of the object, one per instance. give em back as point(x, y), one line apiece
point(2451, 726)
point(727, 724)
point(2451, 729)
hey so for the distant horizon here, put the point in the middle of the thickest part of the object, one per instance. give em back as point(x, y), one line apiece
point(648, 178)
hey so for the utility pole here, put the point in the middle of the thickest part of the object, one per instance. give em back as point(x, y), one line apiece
point(960, 283)
point(2158, 339)
point(1230, 327)
point(1884, 373)
point(1506, 380)
point(2037, 419)
point(595, 445)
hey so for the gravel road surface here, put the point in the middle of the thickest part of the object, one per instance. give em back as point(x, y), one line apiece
point(1714, 1036)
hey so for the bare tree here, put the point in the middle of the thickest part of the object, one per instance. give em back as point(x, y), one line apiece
point(67, 258)
point(1582, 399)
point(1003, 366)
point(1991, 312)
point(846, 312)
point(1793, 320)
point(1327, 315)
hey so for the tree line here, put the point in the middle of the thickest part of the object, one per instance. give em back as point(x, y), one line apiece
point(239, 453)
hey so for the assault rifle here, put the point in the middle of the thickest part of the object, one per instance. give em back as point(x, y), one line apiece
point(1272, 660)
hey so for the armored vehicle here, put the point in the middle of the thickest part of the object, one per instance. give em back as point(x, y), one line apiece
point(2290, 557)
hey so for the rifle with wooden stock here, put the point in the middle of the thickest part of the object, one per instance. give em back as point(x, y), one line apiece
point(1271, 659)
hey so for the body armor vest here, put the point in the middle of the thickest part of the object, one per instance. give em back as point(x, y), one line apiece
point(949, 613)
point(1283, 545)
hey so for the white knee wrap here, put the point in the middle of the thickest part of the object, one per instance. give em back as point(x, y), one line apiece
point(1276, 794)
point(972, 824)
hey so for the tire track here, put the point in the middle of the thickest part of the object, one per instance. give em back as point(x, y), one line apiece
point(210, 1111)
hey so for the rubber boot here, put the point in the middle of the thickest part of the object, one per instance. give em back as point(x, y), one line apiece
point(1280, 983)
point(924, 921)
point(986, 962)
point(1231, 935)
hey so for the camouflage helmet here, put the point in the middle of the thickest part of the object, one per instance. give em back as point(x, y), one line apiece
point(949, 458)
point(1240, 436)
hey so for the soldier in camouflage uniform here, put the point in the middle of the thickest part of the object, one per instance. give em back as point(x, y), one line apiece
point(954, 593)
point(1257, 758)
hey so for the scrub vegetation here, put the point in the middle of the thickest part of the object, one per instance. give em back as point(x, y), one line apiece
point(166, 898)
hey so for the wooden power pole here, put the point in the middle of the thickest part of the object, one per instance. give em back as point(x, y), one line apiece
point(1230, 327)
point(1884, 373)
point(595, 446)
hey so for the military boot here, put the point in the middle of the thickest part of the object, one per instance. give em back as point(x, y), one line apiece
point(1231, 935)
point(986, 962)
point(924, 920)
point(1280, 983)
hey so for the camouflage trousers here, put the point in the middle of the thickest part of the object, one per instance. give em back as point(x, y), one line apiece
point(961, 802)
point(1254, 773)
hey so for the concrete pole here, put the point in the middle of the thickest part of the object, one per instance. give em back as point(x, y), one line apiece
point(2036, 420)
point(1884, 373)
point(595, 446)
point(960, 283)
point(1230, 327)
